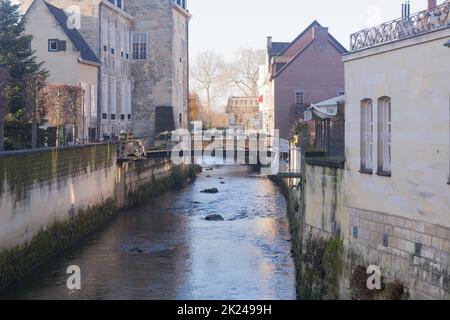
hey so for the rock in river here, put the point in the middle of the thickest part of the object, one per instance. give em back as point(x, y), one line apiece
point(136, 250)
point(212, 190)
point(214, 217)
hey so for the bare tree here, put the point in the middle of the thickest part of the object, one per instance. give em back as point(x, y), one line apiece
point(4, 103)
point(55, 110)
point(74, 96)
point(34, 97)
point(207, 72)
point(243, 71)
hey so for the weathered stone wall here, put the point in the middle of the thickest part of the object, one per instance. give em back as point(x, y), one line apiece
point(39, 188)
point(51, 198)
point(414, 253)
point(334, 244)
point(152, 78)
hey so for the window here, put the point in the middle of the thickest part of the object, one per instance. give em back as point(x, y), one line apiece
point(104, 116)
point(105, 94)
point(300, 98)
point(384, 136)
point(140, 40)
point(366, 136)
point(55, 45)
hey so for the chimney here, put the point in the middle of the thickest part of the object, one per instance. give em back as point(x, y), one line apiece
point(406, 10)
point(269, 42)
point(320, 33)
point(431, 4)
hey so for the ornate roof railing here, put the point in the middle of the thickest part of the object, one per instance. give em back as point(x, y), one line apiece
point(418, 23)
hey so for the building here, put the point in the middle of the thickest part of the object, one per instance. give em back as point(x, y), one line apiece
point(327, 119)
point(68, 57)
point(388, 202)
point(297, 73)
point(143, 50)
point(398, 156)
point(243, 113)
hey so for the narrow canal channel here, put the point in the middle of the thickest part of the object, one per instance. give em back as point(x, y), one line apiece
point(165, 249)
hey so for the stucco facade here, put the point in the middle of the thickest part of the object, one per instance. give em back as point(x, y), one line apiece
point(402, 218)
point(65, 67)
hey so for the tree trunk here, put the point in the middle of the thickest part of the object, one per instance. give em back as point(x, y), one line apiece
point(2, 133)
point(33, 133)
point(58, 131)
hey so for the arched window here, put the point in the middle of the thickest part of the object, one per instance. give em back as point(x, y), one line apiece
point(384, 136)
point(366, 136)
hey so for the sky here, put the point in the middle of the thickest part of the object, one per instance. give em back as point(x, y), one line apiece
point(225, 26)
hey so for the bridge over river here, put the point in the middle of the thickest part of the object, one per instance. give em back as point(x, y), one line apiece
point(165, 249)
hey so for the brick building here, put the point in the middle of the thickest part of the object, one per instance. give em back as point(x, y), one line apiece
point(297, 73)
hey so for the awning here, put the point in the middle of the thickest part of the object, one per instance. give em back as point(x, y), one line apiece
point(325, 109)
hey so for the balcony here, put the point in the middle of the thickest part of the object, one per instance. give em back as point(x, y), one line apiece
point(416, 24)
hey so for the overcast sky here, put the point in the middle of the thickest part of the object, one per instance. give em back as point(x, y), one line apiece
point(225, 26)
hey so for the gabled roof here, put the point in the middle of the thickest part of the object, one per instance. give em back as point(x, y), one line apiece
point(277, 48)
point(315, 23)
point(75, 37)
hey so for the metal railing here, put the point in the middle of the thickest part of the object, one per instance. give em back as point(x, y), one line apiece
point(416, 24)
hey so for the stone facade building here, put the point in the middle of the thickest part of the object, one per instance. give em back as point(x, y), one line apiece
point(397, 173)
point(243, 113)
point(143, 49)
point(388, 204)
point(297, 73)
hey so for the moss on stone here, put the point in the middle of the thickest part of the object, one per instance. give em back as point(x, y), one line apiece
point(16, 262)
point(21, 169)
point(389, 290)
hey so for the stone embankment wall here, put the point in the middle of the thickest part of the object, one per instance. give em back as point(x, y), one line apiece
point(51, 198)
point(334, 244)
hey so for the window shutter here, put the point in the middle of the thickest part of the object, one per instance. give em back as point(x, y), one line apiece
point(61, 45)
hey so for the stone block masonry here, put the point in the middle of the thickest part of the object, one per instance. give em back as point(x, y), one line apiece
point(414, 253)
point(334, 244)
point(51, 198)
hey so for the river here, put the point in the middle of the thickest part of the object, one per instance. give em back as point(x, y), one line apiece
point(165, 249)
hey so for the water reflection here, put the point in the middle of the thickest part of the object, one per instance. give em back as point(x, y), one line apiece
point(167, 250)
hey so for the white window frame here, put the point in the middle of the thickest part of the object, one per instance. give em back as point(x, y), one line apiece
point(55, 42)
point(384, 135)
point(113, 98)
point(143, 39)
point(366, 136)
point(105, 94)
point(299, 98)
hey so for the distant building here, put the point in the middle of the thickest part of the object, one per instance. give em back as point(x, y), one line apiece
point(297, 73)
point(243, 113)
point(143, 51)
point(327, 120)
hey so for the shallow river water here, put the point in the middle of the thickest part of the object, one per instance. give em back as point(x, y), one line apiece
point(165, 249)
